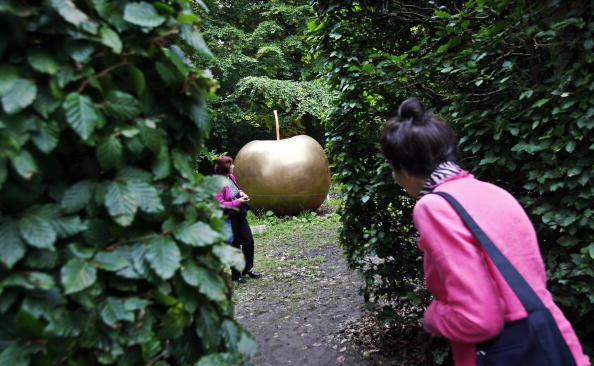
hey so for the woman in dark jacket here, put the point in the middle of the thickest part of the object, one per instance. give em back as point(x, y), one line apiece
point(232, 197)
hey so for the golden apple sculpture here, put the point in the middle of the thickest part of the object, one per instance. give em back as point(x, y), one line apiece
point(285, 176)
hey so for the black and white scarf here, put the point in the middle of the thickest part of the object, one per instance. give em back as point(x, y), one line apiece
point(443, 171)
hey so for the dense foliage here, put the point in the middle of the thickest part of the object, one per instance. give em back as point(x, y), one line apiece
point(263, 63)
point(110, 244)
point(514, 78)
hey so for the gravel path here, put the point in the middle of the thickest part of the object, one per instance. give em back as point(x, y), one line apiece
point(296, 311)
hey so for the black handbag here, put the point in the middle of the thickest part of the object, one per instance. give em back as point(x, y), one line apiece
point(531, 341)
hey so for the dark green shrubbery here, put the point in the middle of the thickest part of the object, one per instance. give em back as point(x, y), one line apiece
point(110, 244)
point(514, 78)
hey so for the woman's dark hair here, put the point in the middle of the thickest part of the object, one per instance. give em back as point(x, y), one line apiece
point(222, 165)
point(416, 140)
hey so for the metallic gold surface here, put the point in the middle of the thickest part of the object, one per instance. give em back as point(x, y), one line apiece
point(286, 176)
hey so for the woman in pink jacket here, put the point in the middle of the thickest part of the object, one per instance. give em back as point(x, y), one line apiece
point(472, 301)
point(235, 201)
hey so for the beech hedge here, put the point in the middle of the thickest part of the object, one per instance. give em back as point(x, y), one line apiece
point(111, 245)
point(514, 78)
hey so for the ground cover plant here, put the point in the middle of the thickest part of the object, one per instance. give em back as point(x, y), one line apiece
point(110, 244)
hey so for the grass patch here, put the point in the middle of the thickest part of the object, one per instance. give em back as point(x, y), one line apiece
point(285, 250)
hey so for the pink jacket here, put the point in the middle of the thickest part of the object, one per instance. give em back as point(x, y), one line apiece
point(471, 299)
point(225, 198)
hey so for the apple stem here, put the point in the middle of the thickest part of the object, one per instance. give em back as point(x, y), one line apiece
point(277, 126)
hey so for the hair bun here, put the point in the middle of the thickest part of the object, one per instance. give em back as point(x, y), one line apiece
point(412, 109)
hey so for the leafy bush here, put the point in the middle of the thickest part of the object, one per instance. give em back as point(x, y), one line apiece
point(263, 63)
point(110, 244)
point(515, 79)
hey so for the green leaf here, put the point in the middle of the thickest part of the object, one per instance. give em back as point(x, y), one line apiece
point(128, 172)
point(142, 14)
point(136, 256)
point(150, 135)
point(208, 327)
point(77, 196)
point(8, 77)
point(163, 256)
point(121, 203)
point(24, 164)
point(45, 103)
point(190, 272)
point(67, 324)
point(162, 7)
point(174, 322)
point(183, 163)
point(442, 14)
point(230, 333)
point(539, 103)
point(122, 106)
point(3, 171)
point(208, 282)
point(111, 261)
point(81, 114)
point(230, 256)
point(77, 275)
point(164, 299)
point(43, 62)
point(203, 5)
point(213, 359)
point(46, 137)
point(151, 349)
point(193, 37)
point(16, 354)
point(162, 164)
point(20, 96)
point(68, 226)
point(80, 51)
point(199, 114)
point(135, 303)
point(68, 10)
point(111, 39)
point(27, 325)
point(247, 345)
point(148, 197)
point(109, 152)
point(37, 230)
point(112, 310)
point(81, 251)
point(41, 280)
point(167, 74)
point(66, 75)
point(198, 234)
point(12, 248)
point(137, 79)
point(188, 17)
point(176, 61)
point(42, 259)
point(590, 249)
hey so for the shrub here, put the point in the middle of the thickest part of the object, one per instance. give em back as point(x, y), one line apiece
point(111, 245)
point(515, 80)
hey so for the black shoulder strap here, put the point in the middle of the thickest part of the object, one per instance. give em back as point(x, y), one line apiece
point(515, 280)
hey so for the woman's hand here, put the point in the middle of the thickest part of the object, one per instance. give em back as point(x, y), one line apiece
point(244, 199)
point(243, 195)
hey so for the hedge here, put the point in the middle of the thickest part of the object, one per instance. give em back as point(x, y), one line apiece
point(514, 78)
point(111, 244)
